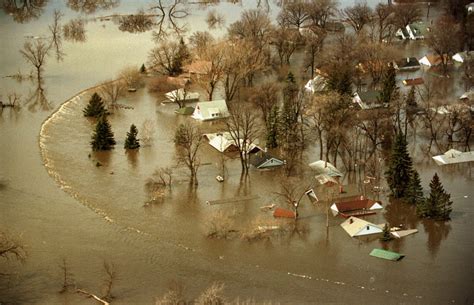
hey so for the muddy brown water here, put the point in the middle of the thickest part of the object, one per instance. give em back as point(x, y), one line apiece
point(62, 205)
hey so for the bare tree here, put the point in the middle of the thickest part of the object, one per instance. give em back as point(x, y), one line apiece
point(431, 118)
point(357, 16)
point(147, 132)
point(320, 11)
point(214, 19)
point(294, 14)
point(254, 26)
point(111, 91)
point(374, 58)
point(385, 21)
point(67, 276)
point(109, 280)
point(244, 129)
point(293, 191)
point(188, 140)
point(166, 57)
point(213, 69)
point(285, 41)
point(56, 37)
point(200, 41)
point(24, 10)
point(265, 96)
point(212, 295)
point(445, 39)
point(11, 247)
point(35, 53)
point(132, 77)
point(405, 14)
point(75, 30)
point(314, 44)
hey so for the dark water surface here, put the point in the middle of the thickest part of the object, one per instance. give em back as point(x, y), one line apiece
point(62, 205)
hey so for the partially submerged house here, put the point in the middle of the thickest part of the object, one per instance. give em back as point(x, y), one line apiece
point(317, 84)
point(461, 56)
point(407, 64)
point(223, 142)
point(211, 110)
point(453, 156)
point(413, 81)
point(358, 227)
point(359, 206)
point(265, 161)
point(283, 213)
point(385, 254)
point(431, 60)
point(403, 233)
point(181, 95)
point(468, 95)
point(324, 167)
point(413, 31)
point(367, 100)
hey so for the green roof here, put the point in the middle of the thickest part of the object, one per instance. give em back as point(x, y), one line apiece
point(185, 111)
point(389, 255)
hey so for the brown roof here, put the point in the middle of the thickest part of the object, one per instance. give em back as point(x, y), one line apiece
point(354, 205)
point(198, 67)
point(279, 212)
point(414, 81)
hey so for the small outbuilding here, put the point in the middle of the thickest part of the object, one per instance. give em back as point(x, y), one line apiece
point(358, 227)
point(181, 95)
point(388, 255)
point(211, 110)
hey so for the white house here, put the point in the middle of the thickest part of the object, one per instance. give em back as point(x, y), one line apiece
point(358, 227)
point(470, 8)
point(461, 56)
point(367, 100)
point(327, 168)
point(431, 60)
point(181, 95)
point(211, 110)
point(265, 160)
point(454, 156)
point(224, 142)
point(413, 31)
point(317, 84)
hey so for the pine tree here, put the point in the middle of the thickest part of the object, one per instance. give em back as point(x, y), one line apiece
point(386, 233)
point(95, 108)
point(143, 69)
point(103, 137)
point(181, 57)
point(438, 204)
point(131, 142)
point(410, 99)
point(272, 128)
point(414, 194)
point(400, 168)
point(180, 136)
point(389, 91)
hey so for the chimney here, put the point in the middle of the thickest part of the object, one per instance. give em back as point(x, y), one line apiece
point(408, 59)
point(351, 221)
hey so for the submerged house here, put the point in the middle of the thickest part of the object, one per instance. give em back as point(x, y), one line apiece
point(317, 84)
point(454, 156)
point(413, 81)
point(358, 206)
point(413, 31)
point(224, 142)
point(211, 110)
point(407, 64)
point(367, 100)
point(358, 227)
point(431, 60)
point(323, 167)
point(181, 95)
point(265, 160)
point(461, 56)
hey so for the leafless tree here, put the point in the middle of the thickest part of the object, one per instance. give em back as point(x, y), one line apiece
point(357, 16)
point(91, 6)
point(132, 77)
point(188, 140)
point(405, 14)
point(212, 295)
point(75, 30)
point(35, 54)
point(285, 41)
point(67, 276)
point(314, 44)
point(254, 26)
point(200, 41)
point(214, 56)
point(431, 118)
point(109, 280)
point(320, 11)
point(385, 22)
point(111, 91)
point(244, 129)
point(56, 37)
point(37, 100)
point(293, 191)
point(136, 23)
point(445, 39)
point(374, 58)
point(11, 247)
point(294, 14)
point(265, 96)
point(164, 57)
point(214, 19)
point(24, 10)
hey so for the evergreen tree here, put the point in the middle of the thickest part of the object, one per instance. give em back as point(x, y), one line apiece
point(438, 204)
point(131, 142)
point(103, 137)
point(400, 168)
point(410, 100)
point(386, 233)
point(143, 69)
point(414, 194)
point(272, 128)
point(180, 136)
point(290, 91)
point(95, 108)
point(180, 58)
point(389, 91)
point(340, 78)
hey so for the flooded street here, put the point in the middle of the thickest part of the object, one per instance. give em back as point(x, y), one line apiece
point(63, 206)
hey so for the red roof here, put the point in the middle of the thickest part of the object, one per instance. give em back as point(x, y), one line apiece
point(413, 81)
point(353, 205)
point(279, 212)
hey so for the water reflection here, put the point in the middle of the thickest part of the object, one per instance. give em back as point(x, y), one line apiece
point(24, 10)
point(91, 6)
point(37, 100)
point(437, 231)
point(168, 17)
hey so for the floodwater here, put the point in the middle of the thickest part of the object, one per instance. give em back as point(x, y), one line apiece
point(63, 206)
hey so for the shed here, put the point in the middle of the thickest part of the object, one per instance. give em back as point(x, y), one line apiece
point(385, 254)
point(324, 167)
point(211, 110)
point(181, 95)
point(283, 213)
point(358, 227)
point(265, 160)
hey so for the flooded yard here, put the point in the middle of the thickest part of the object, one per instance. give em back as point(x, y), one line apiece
point(62, 205)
